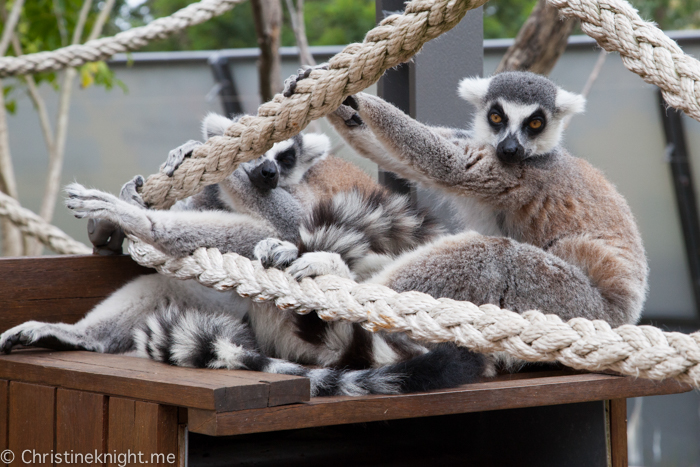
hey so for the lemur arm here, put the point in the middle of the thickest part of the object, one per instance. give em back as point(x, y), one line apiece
point(177, 233)
point(359, 136)
point(425, 154)
point(277, 207)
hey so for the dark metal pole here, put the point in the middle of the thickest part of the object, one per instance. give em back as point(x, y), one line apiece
point(394, 87)
point(227, 87)
point(684, 190)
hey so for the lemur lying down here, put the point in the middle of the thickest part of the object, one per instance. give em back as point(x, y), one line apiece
point(542, 229)
point(187, 324)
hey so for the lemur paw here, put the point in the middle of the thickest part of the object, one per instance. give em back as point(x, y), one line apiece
point(319, 263)
point(130, 193)
point(349, 115)
point(177, 155)
point(106, 237)
point(24, 334)
point(290, 84)
point(275, 253)
point(91, 203)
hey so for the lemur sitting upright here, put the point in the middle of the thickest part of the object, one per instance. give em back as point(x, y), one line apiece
point(186, 324)
point(542, 229)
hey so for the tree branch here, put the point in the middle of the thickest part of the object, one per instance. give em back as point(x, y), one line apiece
point(56, 157)
point(296, 15)
point(267, 15)
point(11, 237)
point(540, 41)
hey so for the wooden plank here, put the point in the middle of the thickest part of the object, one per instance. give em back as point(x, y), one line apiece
point(501, 393)
point(618, 432)
point(157, 433)
point(80, 425)
point(142, 433)
point(4, 415)
point(59, 288)
point(218, 390)
point(121, 432)
point(31, 423)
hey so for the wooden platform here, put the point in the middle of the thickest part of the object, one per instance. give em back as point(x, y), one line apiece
point(87, 402)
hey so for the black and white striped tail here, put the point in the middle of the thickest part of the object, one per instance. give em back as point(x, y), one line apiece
point(358, 222)
point(205, 340)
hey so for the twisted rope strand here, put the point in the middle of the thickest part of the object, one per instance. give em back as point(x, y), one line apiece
point(31, 224)
point(394, 41)
point(644, 48)
point(132, 39)
point(643, 351)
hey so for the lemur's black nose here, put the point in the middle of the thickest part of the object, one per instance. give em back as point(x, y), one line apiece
point(509, 150)
point(265, 176)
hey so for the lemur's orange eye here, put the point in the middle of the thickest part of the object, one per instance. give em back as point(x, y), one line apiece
point(536, 124)
point(495, 118)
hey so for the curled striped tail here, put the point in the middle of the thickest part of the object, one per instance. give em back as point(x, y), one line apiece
point(192, 338)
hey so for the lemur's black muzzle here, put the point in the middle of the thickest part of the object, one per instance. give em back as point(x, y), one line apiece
point(265, 176)
point(510, 151)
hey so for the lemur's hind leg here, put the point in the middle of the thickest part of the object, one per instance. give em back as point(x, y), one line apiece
point(500, 271)
point(107, 328)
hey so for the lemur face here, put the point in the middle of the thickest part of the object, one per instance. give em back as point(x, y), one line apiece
point(520, 114)
point(284, 164)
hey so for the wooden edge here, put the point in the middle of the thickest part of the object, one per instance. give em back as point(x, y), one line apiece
point(478, 397)
point(121, 376)
point(618, 432)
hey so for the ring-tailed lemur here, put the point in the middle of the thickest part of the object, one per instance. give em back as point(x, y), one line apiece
point(542, 229)
point(184, 323)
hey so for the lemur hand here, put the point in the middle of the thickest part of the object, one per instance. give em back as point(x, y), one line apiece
point(349, 114)
point(290, 84)
point(130, 192)
point(177, 155)
point(105, 236)
point(275, 253)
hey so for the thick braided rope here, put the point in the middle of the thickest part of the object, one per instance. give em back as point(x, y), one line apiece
point(643, 351)
point(644, 48)
point(615, 24)
point(394, 41)
point(31, 224)
point(132, 39)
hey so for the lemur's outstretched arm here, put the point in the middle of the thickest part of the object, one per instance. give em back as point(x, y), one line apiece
point(425, 154)
point(178, 232)
point(277, 207)
point(355, 132)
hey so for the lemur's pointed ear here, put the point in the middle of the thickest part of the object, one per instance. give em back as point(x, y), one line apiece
point(316, 146)
point(569, 103)
point(215, 125)
point(473, 89)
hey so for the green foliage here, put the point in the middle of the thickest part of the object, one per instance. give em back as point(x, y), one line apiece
point(50, 24)
point(670, 14)
point(328, 22)
point(10, 104)
point(99, 73)
point(503, 18)
point(336, 22)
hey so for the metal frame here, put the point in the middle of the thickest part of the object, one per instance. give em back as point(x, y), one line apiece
point(684, 190)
